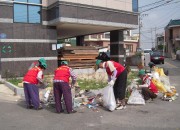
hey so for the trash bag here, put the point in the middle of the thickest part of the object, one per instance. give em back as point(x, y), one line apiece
point(159, 85)
point(136, 98)
point(161, 72)
point(165, 81)
point(108, 98)
point(46, 95)
point(166, 72)
point(155, 75)
point(170, 96)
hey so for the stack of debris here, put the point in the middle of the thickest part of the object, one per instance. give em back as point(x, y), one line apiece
point(89, 99)
point(79, 56)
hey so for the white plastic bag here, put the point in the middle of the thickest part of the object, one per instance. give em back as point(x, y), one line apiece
point(46, 95)
point(165, 81)
point(132, 85)
point(136, 98)
point(108, 98)
point(155, 75)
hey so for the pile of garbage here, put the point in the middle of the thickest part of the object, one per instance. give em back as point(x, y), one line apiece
point(93, 99)
point(163, 84)
point(166, 91)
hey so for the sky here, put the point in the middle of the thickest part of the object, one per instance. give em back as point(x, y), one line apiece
point(154, 21)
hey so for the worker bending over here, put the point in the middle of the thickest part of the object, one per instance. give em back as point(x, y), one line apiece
point(62, 87)
point(117, 77)
point(32, 78)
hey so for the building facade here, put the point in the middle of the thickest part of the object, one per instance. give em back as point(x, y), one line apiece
point(130, 41)
point(160, 42)
point(101, 40)
point(172, 37)
point(29, 29)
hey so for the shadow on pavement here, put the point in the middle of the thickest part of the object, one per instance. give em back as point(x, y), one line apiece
point(22, 103)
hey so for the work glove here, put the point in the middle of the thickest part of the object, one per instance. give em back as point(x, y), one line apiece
point(111, 83)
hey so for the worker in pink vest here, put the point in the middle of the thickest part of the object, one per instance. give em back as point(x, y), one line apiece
point(117, 77)
point(62, 87)
point(32, 78)
point(149, 90)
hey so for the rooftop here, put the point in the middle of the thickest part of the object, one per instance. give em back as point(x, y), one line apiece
point(173, 23)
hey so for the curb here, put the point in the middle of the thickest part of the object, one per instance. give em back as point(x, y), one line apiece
point(17, 90)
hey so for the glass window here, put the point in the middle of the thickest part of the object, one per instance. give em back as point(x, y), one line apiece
point(35, 1)
point(21, 0)
point(135, 5)
point(129, 47)
point(34, 14)
point(107, 35)
point(20, 13)
point(27, 13)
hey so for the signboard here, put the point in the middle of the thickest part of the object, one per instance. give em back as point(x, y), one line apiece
point(3, 36)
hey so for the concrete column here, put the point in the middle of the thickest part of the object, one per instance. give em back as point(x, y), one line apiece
point(117, 50)
point(79, 40)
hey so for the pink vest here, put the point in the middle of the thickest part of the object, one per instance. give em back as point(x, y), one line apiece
point(118, 67)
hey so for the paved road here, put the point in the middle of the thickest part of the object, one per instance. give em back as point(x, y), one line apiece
point(158, 115)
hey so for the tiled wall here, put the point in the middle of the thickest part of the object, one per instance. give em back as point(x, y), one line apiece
point(125, 5)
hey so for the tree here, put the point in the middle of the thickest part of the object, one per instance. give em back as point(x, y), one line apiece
point(160, 47)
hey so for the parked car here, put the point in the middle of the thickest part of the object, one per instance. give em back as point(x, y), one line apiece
point(139, 50)
point(147, 51)
point(157, 57)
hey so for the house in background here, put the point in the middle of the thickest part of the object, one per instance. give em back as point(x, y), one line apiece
point(101, 40)
point(172, 37)
point(159, 40)
point(130, 41)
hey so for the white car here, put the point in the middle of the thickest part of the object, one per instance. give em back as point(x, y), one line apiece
point(147, 51)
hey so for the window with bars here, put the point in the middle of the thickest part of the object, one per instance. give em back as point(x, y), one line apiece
point(129, 47)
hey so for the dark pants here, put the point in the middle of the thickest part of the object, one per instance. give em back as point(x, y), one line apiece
point(148, 94)
point(31, 92)
point(62, 88)
point(120, 86)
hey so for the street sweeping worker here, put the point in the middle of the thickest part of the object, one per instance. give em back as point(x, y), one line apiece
point(141, 68)
point(32, 78)
point(117, 77)
point(149, 90)
point(61, 87)
point(36, 63)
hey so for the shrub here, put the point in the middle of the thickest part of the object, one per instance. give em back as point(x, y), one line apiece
point(15, 81)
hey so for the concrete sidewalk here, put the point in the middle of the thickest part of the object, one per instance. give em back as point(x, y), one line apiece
point(7, 95)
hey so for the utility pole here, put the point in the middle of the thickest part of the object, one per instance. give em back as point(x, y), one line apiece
point(155, 38)
point(139, 45)
point(140, 26)
point(164, 44)
point(152, 37)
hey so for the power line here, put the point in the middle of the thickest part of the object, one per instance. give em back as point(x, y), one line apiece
point(166, 16)
point(167, 2)
point(153, 29)
point(151, 4)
